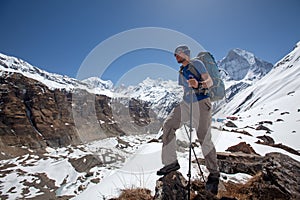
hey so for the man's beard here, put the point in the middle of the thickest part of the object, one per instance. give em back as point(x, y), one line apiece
point(181, 60)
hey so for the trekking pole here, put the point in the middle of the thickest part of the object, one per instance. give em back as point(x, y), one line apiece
point(201, 172)
point(190, 147)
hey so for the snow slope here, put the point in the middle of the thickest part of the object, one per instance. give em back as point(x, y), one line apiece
point(140, 169)
point(94, 85)
point(274, 98)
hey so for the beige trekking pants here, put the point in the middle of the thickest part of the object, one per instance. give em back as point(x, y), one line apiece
point(201, 122)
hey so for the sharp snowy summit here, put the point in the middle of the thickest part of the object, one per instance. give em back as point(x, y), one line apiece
point(280, 83)
point(95, 82)
point(243, 65)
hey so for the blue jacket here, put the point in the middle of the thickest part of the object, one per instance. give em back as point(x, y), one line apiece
point(186, 74)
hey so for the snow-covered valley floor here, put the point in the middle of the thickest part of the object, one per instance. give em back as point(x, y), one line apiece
point(131, 162)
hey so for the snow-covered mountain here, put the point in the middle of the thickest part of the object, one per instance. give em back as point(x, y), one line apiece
point(242, 65)
point(162, 95)
point(280, 83)
point(239, 68)
point(242, 69)
point(52, 80)
point(95, 82)
point(274, 98)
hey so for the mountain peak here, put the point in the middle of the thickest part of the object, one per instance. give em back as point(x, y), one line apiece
point(241, 64)
point(96, 82)
point(244, 54)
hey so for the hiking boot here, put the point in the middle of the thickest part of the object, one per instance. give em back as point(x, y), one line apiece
point(212, 184)
point(168, 168)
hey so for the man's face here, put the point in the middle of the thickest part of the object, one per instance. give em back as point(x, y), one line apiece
point(180, 57)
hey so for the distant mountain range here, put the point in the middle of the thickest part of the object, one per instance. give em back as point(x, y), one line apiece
point(239, 69)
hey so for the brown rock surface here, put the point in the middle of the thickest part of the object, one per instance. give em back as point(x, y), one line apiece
point(35, 116)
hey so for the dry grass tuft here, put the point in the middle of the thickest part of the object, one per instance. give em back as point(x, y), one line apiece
point(134, 194)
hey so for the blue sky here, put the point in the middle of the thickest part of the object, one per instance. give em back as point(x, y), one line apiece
point(58, 35)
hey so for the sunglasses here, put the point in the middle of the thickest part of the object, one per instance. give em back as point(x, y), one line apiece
point(178, 52)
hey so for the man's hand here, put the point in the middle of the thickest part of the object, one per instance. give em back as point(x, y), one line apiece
point(193, 83)
point(208, 82)
point(205, 84)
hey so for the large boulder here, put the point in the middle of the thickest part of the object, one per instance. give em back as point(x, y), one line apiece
point(173, 186)
point(275, 176)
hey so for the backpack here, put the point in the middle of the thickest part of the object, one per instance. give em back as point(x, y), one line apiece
point(217, 91)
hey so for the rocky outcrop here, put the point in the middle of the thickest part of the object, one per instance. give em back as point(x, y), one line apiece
point(269, 141)
point(85, 163)
point(232, 163)
point(242, 147)
point(32, 115)
point(275, 176)
point(35, 116)
point(171, 186)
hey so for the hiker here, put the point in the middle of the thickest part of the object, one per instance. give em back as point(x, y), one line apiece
point(201, 118)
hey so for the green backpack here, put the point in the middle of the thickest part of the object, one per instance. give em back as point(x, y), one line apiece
point(217, 91)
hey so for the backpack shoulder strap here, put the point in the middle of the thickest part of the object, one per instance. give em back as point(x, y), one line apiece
point(181, 69)
point(193, 69)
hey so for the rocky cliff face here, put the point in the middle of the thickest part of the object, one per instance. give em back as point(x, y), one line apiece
point(32, 115)
point(35, 116)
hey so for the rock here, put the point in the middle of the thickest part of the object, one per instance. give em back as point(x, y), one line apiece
point(232, 163)
point(284, 113)
point(122, 144)
point(286, 148)
point(153, 140)
point(283, 173)
point(171, 186)
point(32, 115)
point(270, 142)
point(230, 124)
point(241, 132)
point(242, 147)
point(275, 176)
point(266, 140)
point(85, 163)
point(199, 192)
point(278, 179)
point(261, 127)
point(266, 122)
